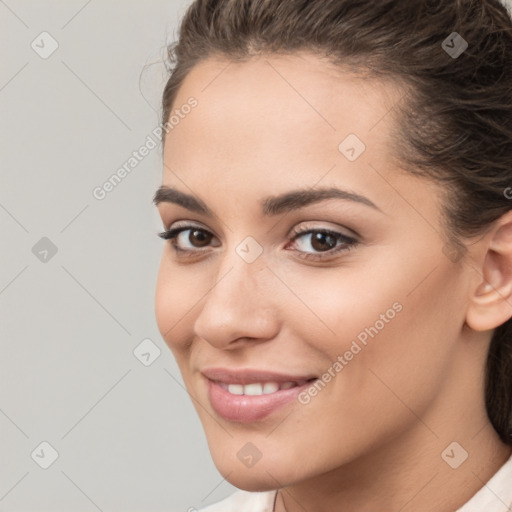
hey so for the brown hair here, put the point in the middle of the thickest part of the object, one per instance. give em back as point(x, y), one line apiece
point(455, 124)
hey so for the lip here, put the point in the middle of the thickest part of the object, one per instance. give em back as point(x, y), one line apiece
point(249, 408)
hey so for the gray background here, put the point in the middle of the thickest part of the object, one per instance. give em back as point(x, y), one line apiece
point(126, 434)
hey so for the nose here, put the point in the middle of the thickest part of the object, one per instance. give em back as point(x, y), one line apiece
point(239, 306)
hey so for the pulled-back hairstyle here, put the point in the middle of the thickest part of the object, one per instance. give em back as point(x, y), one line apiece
point(454, 125)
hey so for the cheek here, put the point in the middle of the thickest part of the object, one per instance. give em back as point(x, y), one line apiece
point(395, 328)
point(333, 308)
point(408, 359)
point(175, 298)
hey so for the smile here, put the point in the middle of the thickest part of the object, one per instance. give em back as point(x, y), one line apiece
point(248, 396)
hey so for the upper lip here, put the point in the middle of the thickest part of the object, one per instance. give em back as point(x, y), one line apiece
point(250, 375)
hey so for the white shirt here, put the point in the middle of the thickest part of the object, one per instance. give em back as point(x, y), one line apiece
point(494, 496)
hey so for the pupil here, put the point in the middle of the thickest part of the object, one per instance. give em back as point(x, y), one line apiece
point(319, 241)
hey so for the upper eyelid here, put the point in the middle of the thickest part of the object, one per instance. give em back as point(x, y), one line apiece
point(187, 225)
point(293, 230)
point(340, 231)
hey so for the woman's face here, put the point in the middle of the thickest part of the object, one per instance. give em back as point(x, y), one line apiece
point(373, 308)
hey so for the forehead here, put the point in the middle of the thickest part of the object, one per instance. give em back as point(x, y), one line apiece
point(274, 123)
point(304, 86)
point(271, 105)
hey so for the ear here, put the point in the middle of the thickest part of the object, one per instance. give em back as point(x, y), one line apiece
point(491, 301)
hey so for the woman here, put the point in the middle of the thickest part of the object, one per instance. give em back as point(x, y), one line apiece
point(336, 285)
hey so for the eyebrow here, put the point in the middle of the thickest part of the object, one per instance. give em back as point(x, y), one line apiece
point(272, 205)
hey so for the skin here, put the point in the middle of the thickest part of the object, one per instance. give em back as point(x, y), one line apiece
point(372, 439)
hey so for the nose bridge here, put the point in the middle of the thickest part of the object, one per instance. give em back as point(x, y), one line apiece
point(238, 303)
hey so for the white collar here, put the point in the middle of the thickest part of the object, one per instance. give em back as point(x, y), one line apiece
point(495, 495)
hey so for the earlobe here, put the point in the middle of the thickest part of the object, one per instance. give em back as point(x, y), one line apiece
point(491, 301)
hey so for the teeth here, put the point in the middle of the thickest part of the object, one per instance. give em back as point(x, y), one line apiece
point(258, 388)
point(270, 387)
point(253, 389)
point(236, 389)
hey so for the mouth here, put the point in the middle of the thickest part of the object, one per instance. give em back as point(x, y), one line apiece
point(249, 396)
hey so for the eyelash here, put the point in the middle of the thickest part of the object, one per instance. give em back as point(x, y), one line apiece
point(349, 243)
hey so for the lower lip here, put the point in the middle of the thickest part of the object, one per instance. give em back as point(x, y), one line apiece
point(249, 408)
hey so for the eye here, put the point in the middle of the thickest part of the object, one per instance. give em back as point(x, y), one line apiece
point(314, 244)
point(187, 243)
point(324, 243)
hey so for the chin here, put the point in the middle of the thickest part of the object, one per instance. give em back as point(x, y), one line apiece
point(253, 482)
point(264, 475)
